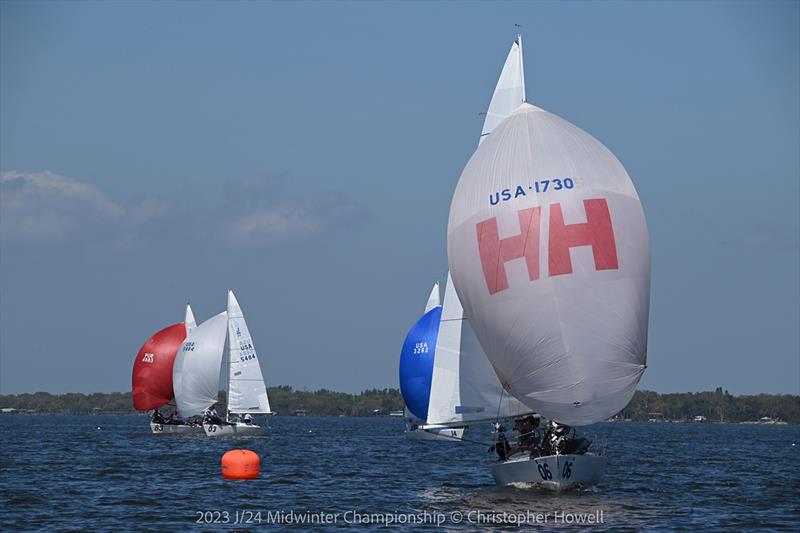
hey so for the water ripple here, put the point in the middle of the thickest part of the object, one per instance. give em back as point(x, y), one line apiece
point(62, 473)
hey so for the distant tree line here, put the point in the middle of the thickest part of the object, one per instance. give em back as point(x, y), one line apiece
point(716, 406)
point(284, 400)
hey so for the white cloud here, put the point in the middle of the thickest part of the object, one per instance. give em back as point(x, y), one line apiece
point(774, 235)
point(299, 220)
point(44, 206)
point(276, 223)
point(47, 208)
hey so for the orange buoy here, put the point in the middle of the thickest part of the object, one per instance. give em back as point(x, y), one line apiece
point(240, 464)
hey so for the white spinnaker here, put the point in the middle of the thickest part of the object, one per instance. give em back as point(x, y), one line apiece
point(465, 388)
point(509, 92)
point(433, 299)
point(570, 345)
point(189, 321)
point(195, 374)
point(246, 390)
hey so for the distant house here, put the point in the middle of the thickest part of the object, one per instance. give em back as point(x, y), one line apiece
point(8, 411)
point(699, 418)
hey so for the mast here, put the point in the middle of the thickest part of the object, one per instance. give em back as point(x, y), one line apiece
point(521, 67)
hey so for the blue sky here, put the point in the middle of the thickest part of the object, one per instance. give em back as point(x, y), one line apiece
point(305, 154)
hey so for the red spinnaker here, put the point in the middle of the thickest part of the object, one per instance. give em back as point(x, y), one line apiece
point(152, 370)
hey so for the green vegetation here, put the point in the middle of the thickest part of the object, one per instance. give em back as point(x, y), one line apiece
point(716, 406)
point(323, 402)
point(284, 400)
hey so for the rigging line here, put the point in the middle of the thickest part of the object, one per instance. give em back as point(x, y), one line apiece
point(500, 403)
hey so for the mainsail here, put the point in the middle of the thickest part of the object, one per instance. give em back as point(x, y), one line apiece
point(509, 92)
point(246, 390)
point(433, 299)
point(189, 321)
point(196, 371)
point(549, 253)
point(152, 369)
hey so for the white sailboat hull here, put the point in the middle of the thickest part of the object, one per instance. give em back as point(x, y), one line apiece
point(554, 472)
point(233, 430)
point(175, 429)
point(444, 433)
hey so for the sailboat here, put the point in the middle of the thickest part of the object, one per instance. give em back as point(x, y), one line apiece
point(549, 254)
point(197, 371)
point(416, 369)
point(152, 379)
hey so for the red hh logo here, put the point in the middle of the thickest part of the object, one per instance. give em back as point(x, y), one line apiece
point(596, 232)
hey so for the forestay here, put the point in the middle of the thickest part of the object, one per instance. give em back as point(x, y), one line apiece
point(246, 390)
point(549, 254)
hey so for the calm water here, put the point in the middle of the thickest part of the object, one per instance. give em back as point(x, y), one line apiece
point(109, 473)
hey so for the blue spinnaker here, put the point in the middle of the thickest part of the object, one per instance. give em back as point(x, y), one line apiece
point(416, 362)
